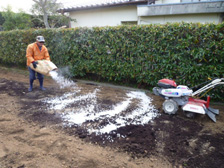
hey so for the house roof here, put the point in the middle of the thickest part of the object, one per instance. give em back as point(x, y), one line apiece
point(105, 4)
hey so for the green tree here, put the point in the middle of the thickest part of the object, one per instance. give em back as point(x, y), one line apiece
point(13, 20)
point(59, 21)
point(2, 20)
point(46, 12)
point(37, 23)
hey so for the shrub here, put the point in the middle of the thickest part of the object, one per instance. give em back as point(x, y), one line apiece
point(188, 53)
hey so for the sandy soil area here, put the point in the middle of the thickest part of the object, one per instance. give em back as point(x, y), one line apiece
point(32, 136)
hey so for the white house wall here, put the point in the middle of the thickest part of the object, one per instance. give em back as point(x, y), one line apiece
point(179, 1)
point(193, 18)
point(181, 8)
point(167, 1)
point(104, 16)
point(203, 12)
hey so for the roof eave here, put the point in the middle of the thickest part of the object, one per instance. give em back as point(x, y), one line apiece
point(143, 2)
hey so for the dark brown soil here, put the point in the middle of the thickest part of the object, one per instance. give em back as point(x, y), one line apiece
point(183, 142)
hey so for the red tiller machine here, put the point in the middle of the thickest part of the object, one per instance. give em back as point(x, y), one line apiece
point(183, 96)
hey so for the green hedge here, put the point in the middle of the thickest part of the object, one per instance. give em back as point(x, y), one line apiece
point(186, 52)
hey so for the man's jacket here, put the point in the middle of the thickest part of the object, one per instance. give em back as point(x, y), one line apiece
point(33, 53)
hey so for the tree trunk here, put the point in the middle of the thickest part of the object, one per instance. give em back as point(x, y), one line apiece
point(43, 4)
point(45, 16)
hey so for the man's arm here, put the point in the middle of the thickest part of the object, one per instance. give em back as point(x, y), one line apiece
point(29, 54)
point(46, 55)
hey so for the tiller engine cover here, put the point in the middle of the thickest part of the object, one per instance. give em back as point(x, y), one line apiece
point(167, 83)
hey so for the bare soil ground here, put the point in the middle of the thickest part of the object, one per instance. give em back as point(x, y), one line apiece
point(33, 137)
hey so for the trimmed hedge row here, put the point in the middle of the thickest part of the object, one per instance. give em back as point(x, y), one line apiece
point(186, 52)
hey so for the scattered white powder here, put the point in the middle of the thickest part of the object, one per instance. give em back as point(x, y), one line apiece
point(140, 116)
point(144, 112)
point(108, 128)
point(60, 103)
point(60, 80)
point(87, 111)
point(82, 115)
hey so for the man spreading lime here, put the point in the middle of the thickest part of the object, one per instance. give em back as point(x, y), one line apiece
point(34, 52)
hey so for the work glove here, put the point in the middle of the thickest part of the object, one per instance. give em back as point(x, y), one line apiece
point(34, 64)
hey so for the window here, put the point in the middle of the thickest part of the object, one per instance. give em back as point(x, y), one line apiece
point(129, 22)
point(190, 0)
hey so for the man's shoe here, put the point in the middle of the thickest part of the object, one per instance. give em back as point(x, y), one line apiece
point(41, 84)
point(31, 86)
point(42, 88)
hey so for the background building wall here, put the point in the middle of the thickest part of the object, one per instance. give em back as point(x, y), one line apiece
point(167, 1)
point(193, 18)
point(204, 12)
point(104, 17)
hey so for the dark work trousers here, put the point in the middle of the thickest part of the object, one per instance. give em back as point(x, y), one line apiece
point(33, 76)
